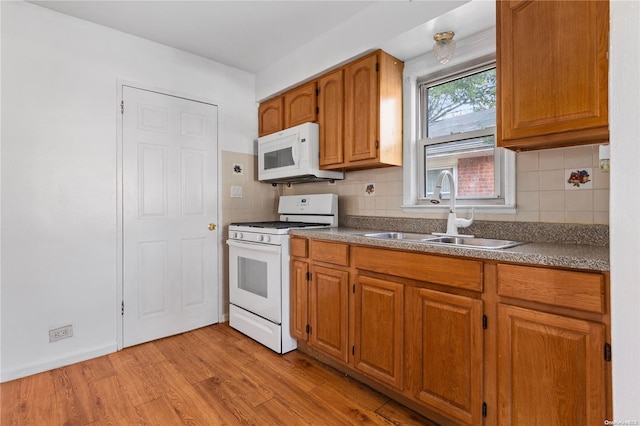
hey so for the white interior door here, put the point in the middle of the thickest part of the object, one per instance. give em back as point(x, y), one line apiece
point(170, 256)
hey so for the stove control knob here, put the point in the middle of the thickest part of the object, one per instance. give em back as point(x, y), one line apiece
point(260, 238)
point(234, 235)
point(267, 238)
point(240, 236)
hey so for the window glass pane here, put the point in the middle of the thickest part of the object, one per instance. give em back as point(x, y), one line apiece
point(461, 105)
point(432, 176)
point(253, 276)
point(472, 163)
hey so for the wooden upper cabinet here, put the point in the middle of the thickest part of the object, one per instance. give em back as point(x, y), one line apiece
point(300, 105)
point(361, 104)
point(270, 116)
point(373, 112)
point(295, 107)
point(552, 73)
point(358, 108)
point(331, 118)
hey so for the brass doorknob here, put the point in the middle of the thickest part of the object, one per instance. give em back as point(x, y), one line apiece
point(212, 227)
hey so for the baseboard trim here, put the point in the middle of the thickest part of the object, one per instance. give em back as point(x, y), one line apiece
point(39, 367)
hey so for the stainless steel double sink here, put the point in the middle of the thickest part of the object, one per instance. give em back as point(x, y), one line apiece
point(460, 241)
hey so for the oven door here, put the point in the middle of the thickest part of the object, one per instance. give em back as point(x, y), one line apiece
point(255, 278)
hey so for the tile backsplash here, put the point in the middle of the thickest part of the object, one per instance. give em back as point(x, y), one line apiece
point(542, 194)
point(541, 191)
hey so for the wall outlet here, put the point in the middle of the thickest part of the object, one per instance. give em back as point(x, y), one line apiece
point(60, 333)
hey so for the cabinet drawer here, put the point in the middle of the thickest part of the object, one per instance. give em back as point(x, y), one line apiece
point(466, 274)
point(329, 252)
point(298, 247)
point(570, 289)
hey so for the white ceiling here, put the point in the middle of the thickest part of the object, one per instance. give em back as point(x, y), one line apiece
point(252, 35)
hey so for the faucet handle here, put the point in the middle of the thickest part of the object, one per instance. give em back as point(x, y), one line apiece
point(463, 223)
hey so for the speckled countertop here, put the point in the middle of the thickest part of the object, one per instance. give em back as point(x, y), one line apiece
point(577, 256)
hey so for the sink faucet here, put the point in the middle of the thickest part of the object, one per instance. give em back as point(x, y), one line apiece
point(453, 222)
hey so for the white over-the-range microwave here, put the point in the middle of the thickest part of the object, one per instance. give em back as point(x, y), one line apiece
point(292, 156)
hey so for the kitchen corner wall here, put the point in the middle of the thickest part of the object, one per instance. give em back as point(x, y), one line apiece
point(257, 201)
point(542, 192)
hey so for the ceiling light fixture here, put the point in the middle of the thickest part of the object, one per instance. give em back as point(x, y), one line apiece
point(444, 46)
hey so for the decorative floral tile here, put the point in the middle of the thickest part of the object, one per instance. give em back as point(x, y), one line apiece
point(581, 178)
point(370, 189)
point(238, 169)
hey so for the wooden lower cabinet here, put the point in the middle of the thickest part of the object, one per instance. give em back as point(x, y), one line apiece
point(328, 311)
point(444, 356)
point(299, 293)
point(462, 341)
point(551, 369)
point(379, 323)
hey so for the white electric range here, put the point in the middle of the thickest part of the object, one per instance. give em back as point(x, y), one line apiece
point(259, 268)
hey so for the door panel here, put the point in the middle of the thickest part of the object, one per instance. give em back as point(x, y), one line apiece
point(328, 311)
point(152, 182)
point(446, 350)
point(152, 281)
point(192, 258)
point(169, 173)
point(362, 112)
point(379, 324)
point(551, 368)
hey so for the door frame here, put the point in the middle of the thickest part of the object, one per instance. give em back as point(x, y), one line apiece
point(120, 84)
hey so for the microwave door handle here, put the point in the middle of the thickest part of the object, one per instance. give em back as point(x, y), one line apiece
point(294, 153)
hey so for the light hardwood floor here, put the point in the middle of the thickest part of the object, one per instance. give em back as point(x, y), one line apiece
point(210, 376)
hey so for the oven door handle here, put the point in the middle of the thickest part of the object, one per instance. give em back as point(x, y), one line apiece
point(255, 246)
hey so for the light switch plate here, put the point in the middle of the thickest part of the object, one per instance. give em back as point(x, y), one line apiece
point(236, 192)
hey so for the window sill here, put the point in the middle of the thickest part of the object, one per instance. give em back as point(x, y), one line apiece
point(416, 208)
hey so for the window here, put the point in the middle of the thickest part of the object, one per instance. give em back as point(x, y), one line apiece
point(457, 122)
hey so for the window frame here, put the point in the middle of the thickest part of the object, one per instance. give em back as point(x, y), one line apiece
point(472, 55)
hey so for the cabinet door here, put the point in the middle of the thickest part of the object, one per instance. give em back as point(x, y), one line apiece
point(331, 119)
point(551, 369)
point(299, 294)
point(379, 308)
point(552, 73)
point(444, 356)
point(329, 311)
point(300, 105)
point(270, 116)
point(361, 109)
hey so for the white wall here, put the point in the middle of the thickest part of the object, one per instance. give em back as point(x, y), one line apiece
point(624, 113)
point(58, 199)
point(366, 31)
